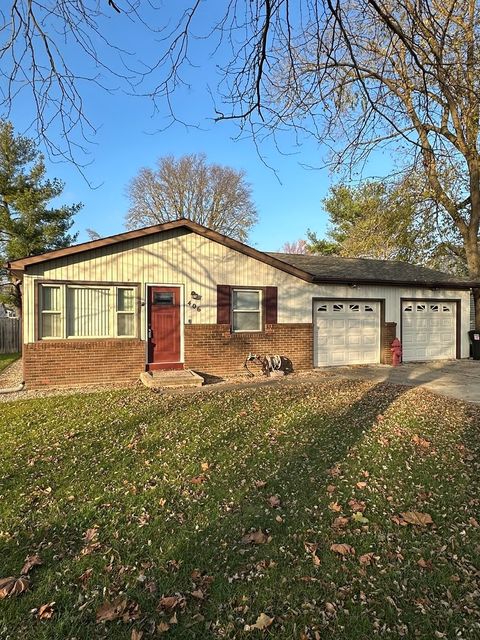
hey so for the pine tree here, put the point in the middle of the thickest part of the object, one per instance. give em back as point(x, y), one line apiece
point(29, 225)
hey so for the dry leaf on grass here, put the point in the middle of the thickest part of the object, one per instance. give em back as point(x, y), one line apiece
point(168, 603)
point(255, 537)
point(205, 466)
point(136, 635)
point(13, 586)
point(334, 506)
point(425, 564)
point(316, 560)
point(118, 608)
point(162, 627)
point(259, 484)
point(90, 534)
point(263, 622)
point(340, 522)
point(198, 594)
point(357, 505)
point(45, 612)
point(274, 501)
point(366, 559)
point(417, 518)
point(361, 485)
point(331, 488)
point(30, 562)
point(198, 479)
point(421, 442)
point(343, 549)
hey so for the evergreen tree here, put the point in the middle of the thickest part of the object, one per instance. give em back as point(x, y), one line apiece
point(29, 225)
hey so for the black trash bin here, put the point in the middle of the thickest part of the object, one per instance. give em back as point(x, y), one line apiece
point(475, 343)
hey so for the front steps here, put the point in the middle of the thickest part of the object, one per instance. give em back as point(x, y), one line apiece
point(171, 379)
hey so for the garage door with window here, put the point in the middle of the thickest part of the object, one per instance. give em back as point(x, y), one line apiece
point(428, 330)
point(346, 332)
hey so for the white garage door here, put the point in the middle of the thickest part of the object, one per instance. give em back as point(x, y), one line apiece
point(428, 330)
point(346, 332)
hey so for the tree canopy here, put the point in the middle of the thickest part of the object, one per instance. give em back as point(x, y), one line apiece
point(29, 225)
point(388, 221)
point(215, 196)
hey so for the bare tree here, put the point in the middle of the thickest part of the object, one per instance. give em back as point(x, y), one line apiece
point(215, 196)
point(297, 246)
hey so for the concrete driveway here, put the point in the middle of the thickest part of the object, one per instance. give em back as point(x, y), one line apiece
point(454, 378)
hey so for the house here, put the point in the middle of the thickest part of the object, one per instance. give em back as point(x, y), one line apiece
point(180, 295)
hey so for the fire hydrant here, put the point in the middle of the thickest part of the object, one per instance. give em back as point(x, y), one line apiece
point(396, 352)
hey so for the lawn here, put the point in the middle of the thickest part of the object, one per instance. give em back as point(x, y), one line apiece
point(270, 512)
point(6, 359)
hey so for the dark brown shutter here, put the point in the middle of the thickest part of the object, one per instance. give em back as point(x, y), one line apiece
point(271, 298)
point(223, 303)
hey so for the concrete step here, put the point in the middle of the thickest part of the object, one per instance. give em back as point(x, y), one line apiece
point(171, 379)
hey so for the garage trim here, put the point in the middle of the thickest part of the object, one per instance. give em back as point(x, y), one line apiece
point(380, 301)
point(458, 318)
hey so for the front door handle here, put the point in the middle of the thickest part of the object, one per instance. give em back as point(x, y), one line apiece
point(150, 333)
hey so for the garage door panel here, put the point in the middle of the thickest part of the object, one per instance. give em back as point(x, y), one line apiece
point(428, 330)
point(347, 333)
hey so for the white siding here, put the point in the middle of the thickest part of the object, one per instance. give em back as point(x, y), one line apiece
point(199, 264)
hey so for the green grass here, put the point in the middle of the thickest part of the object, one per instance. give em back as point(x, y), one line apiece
point(7, 359)
point(124, 461)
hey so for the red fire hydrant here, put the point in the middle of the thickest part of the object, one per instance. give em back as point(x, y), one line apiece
point(396, 352)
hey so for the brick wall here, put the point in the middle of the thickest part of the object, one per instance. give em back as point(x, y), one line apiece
point(68, 363)
point(211, 348)
point(389, 334)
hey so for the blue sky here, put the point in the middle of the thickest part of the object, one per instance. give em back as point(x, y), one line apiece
point(129, 135)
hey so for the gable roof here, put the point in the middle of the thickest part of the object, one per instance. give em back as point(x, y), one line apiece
point(311, 268)
point(352, 270)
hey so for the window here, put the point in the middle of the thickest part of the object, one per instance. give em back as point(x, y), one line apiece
point(354, 307)
point(368, 308)
point(76, 311)
point(338, 307)
point(421, 307)
point(322, 307)
point(434, 307)
point(247, 310)
point(126, 311)
point(51, 320)
point(408, 307)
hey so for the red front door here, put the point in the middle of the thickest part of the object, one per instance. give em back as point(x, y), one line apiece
point(164, 328)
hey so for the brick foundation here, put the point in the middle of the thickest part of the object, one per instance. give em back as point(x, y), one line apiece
point(69, 363)
point(212, 348)
point(389, 335)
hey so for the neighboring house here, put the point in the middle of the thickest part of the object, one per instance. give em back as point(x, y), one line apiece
point(6, 312)
point(180, 295)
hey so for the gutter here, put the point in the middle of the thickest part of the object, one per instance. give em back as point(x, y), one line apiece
point(16, 389)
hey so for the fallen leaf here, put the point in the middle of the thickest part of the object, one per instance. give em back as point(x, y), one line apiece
point(45, 612)
point(421, 442)
point(171, 602)
point(30, 562)
point(366, 558)
point(357, 505)
point(340, 522)
point(85, 577)
point(359, 517)
point(90, 534)
point(361, 485)
point(473, 522)
point(198, 594)
point(417, 518)
point(162, 627)
point(136, 635)
point(205, 466)
point(13, 586)
point(310, 547)
point(260, 483)
point(425, 564)
point(263, 621)
point(334, 506)
point(198, 479)
point(255, 537)
point(343, 549)
point(114, 610)
point(274, 502)
point(316, 560)
point(331, 488)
